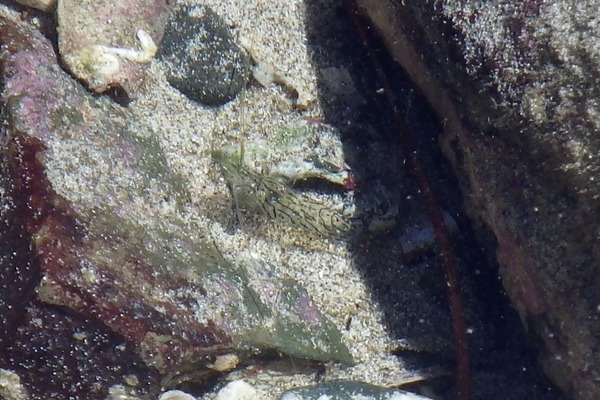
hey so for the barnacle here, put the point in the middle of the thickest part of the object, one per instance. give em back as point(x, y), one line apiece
point(105, 60)
point(297, 152)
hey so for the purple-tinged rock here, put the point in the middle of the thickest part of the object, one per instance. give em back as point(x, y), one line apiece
point(91, 214)
point(107, 43)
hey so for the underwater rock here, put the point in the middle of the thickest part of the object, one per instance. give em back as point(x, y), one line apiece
point(43, 5)
point(516, 84)
point(107, 43)
point(59, 354)
point(176, 395)
point(346, 390)
point(237, 390)
point(92, 233)
point(201, 58)
point(10, 386)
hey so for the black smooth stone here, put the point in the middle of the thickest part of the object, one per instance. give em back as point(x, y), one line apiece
point(201, 57)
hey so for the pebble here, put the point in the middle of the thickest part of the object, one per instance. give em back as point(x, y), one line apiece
point(348, 390)
point(11, 387)
point(237, 390)
point(201, 57)
point(176, 395)
point(44, 5)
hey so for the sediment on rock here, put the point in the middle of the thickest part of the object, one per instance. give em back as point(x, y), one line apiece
point(517, 87)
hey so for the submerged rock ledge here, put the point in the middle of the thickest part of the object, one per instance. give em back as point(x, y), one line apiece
point(516, 84)
point(98, 267)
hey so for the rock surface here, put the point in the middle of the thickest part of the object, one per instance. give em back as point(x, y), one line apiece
point(392, 315)
point(517, 87)
point(10, 386)
point(349, 390)
point(44, 5)
point(99, 270)
point(109, 43)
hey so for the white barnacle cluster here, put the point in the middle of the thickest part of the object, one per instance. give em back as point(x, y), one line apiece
point(105, 61)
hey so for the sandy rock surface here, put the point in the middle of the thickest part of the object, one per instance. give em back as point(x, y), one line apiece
point(115, 175)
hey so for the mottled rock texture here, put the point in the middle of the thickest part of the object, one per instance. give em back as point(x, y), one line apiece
point(518, 87)
point(102, 279)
